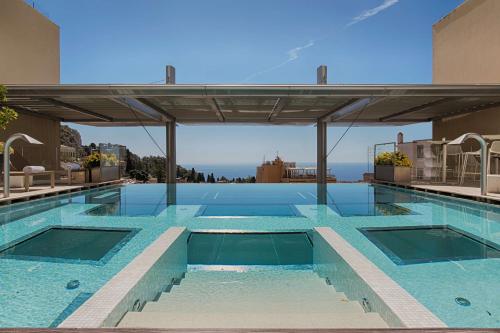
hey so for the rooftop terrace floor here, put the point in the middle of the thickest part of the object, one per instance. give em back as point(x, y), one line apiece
point(40, 191)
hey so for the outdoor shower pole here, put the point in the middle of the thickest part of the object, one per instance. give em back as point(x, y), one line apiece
point(6, 158)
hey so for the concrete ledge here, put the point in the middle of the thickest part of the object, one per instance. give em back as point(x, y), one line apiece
point(140, 281)
point(40, 192)
point(458, 192)
point(407, 310)
point(241, 330)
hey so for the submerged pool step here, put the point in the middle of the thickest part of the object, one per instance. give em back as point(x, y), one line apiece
point(286, 286)
point(250, 320)
point(252, 281)
point(254, 306)
point(254, 299)
point(204, 293)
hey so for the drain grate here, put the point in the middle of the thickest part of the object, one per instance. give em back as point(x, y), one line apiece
point(462, 301)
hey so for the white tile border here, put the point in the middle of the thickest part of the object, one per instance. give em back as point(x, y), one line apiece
point(94, 312)
point(410, 312)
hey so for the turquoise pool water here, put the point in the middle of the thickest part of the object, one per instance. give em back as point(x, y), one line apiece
point(251, 249)
point(40, 286)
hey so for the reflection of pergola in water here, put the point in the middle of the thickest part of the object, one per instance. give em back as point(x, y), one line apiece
point(319, 105)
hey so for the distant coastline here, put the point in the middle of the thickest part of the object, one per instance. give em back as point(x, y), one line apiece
point(343, 171)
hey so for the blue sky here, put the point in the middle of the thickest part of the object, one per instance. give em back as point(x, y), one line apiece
point(257, 41)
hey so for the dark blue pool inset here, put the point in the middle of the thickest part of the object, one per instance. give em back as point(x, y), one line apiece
point(79, 245)
point(370, 209)
point(294, 248)
point(248, 210)
point(424, 244)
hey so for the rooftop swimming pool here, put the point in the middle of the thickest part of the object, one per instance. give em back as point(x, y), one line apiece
point(57, 252)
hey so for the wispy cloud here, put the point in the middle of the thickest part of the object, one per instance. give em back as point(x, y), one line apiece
point(372, 12)
point(293, 54)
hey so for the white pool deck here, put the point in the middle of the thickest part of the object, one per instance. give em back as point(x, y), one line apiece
point(37, 192)
point(472, 193)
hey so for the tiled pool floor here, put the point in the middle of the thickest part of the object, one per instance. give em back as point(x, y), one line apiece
point(39, 287)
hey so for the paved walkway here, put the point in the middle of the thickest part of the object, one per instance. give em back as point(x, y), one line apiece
point(36, 192)
point(473, 193)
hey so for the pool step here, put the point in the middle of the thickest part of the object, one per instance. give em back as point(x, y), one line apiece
point(255, 299)
point(246, 306)
point(215, 320)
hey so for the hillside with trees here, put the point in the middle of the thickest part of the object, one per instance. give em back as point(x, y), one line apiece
point(144, 169)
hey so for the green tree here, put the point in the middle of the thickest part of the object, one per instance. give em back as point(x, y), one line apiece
point(133, 161)
point(6, 114)
point(139, 175)
point(192, 175)
point(212, 178)
point(200, 178)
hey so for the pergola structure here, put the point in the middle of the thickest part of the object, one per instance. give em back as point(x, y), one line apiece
point(319, 105)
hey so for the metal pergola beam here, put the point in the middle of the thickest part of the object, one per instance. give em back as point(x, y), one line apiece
point(156, 108)
point(29, 112)
point(277, 108)
point(416, 109)
point(401, 104)
point(216, 108)
point(468, 110)
point(352, 108)
point(137, 106)
point(76, 109)
point(347, 109)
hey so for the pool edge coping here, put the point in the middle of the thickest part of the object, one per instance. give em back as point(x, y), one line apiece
point(94, 312)
point(409, 311)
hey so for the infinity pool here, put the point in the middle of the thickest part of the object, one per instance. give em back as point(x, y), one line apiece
point(100, 231)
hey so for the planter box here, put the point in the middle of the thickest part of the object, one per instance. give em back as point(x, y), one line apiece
point(390, 173)
point(110, 173)
point(93, 175)
point(103, 174)
point(494, 183)
point(18, 181)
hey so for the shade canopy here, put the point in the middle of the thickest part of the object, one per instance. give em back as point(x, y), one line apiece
point(363, 105)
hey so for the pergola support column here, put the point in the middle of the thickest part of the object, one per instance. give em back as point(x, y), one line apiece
point(171, 163)
point(171, 167)
point(321, 155)
point(321, 167)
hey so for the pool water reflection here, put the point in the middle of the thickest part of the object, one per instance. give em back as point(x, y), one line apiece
point(39, 286)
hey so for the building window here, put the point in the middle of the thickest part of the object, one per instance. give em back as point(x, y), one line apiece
point(420, 173)
point(420, 151)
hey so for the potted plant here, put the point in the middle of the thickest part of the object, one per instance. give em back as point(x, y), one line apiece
point(92, 163)
point(394, 167)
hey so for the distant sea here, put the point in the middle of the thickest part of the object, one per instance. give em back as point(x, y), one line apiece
point(343, 171)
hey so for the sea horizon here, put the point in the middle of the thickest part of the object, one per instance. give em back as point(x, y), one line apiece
point(344, 171)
